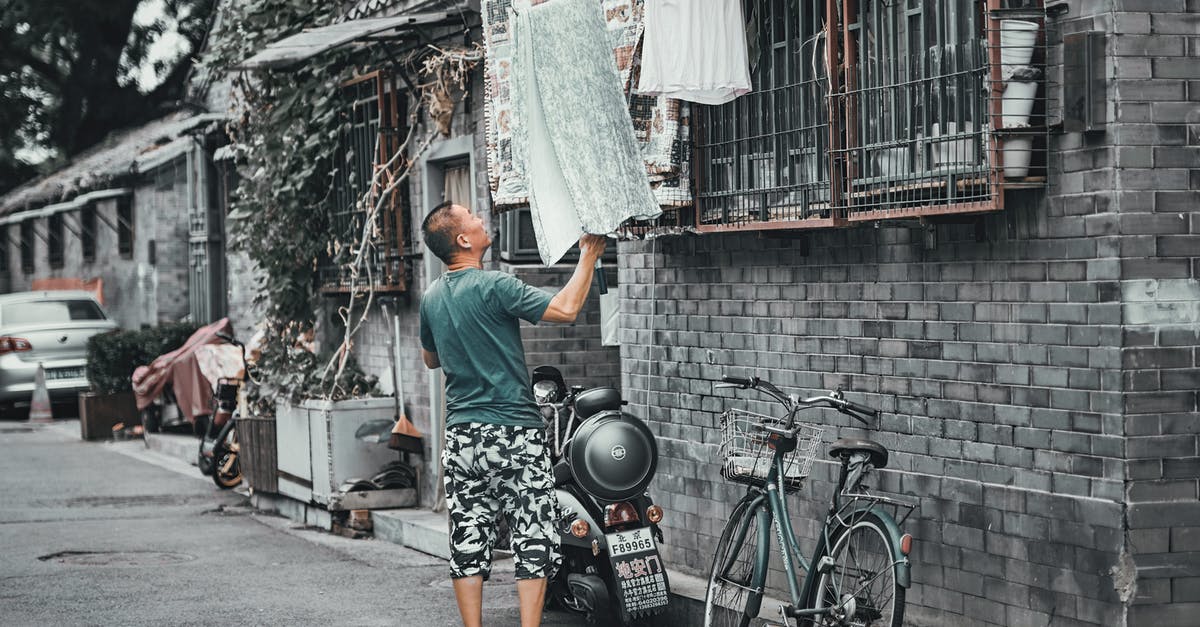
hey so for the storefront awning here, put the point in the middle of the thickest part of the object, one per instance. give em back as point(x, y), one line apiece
point(311, 42)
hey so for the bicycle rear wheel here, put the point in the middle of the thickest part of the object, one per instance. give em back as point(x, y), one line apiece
point(861, 586)
point(736, 580)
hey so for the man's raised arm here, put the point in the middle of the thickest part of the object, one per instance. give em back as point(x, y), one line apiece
point(565, 305)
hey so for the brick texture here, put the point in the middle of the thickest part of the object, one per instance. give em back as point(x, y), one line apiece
point(1038, 388)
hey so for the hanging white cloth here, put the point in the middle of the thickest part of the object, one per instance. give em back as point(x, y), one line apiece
point(695, 50)
point(572, 133)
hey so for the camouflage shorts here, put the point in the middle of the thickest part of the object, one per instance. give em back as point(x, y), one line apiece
point(492, 469)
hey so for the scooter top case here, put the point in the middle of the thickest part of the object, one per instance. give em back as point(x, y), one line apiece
point(613, 455)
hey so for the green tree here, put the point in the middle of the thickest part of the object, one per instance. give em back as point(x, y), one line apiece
point(67, 73)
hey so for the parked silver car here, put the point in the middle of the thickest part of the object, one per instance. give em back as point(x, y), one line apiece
point(51, 328)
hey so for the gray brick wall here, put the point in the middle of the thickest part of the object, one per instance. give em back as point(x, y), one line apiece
point(1157, 78)
point(1038, 388)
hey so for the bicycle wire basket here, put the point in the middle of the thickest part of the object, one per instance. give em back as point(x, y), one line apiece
point(748, 451)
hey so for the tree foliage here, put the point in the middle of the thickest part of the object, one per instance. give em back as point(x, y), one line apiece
point(65, 73)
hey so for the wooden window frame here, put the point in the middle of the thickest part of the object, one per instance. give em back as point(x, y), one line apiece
point(376, 104)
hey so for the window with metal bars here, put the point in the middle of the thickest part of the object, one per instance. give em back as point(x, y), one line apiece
point(87, 232)
point(27, 247)
point(375, 128)
point(55, 239)
point(901, 127)
point(125, 226)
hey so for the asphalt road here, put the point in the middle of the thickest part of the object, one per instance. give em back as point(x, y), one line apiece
point(113, 534)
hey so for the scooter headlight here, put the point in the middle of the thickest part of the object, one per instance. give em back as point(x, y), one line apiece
point(545, 392)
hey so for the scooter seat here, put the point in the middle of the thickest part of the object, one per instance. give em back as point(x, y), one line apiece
point(562, 473)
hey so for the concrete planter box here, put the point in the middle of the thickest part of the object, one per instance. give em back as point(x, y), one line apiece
point(99, 413)
point(317, 451)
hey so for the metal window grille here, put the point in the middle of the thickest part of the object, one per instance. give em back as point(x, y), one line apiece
point(374, 129)
point(27, 244)
point(55, 236)
point(910, 123)
point(762, 157)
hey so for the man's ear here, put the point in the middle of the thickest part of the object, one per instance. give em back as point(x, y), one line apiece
point(462, 240)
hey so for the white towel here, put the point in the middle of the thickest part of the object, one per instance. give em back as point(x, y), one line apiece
point(695, 50)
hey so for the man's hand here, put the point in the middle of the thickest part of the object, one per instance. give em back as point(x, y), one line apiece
point(569, 300)
point(592, 246)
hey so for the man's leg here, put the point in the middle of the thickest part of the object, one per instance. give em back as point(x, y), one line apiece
point(532, 595)
point(468, 591)
point(472, 510)
point(526, 491)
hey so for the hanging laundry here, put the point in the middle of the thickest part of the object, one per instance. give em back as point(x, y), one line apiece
point(572, 134)
point(661, 124)
point(695, 50)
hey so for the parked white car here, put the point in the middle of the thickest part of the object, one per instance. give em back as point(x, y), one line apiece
point(51, 328)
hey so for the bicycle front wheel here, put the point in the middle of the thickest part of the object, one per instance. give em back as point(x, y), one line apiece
point(738, 575)
point(861, 588)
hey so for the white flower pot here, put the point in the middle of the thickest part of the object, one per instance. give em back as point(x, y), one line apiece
point(1017, 38)
point(1017, 104)
point(1017, 153)
point(952, 152)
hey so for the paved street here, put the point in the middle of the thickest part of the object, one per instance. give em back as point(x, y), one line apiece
point(113, 534)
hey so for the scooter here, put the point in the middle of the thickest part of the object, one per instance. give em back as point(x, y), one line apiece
point(219, 446)
point(603, 460)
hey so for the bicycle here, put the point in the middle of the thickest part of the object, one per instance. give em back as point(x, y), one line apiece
point(219, 446)
point(859, 570)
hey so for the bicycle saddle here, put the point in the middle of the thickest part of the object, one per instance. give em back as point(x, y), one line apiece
point(846, 446)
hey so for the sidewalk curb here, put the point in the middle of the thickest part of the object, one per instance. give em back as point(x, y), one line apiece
point(182, 447)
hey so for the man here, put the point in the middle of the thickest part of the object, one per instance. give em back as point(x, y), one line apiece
point(495, 456)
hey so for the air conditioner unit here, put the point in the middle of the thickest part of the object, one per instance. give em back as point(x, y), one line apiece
point(518, 242)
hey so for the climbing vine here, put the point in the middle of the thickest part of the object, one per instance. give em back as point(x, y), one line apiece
point(284, 136)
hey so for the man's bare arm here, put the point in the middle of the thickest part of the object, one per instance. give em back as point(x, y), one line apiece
point(431, 359)
point(565, 305)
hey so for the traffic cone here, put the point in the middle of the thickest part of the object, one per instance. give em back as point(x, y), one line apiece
point(39, 406)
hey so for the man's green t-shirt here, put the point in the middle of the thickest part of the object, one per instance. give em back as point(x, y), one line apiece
point(470, 318)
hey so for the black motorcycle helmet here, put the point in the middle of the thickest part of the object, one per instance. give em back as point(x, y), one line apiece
point(613, 455)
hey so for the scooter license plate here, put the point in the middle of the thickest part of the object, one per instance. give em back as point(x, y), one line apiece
point(638, 570)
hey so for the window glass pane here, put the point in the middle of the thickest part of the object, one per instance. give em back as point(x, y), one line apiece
point(50, 311)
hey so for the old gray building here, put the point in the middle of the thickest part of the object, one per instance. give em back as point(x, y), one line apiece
point(136, 215)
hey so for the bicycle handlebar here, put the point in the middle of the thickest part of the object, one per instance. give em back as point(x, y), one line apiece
point(833, 400)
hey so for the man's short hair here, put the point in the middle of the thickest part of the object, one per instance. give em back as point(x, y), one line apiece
point(438, 231)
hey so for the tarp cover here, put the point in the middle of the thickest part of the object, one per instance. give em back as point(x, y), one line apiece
point(179, 368)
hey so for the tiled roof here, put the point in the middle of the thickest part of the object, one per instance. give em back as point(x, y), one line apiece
point(385, 8)
point(117, 157)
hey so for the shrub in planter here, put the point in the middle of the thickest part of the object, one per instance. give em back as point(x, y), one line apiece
point(112, 357)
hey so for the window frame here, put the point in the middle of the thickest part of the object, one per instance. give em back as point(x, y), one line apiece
point(56, 240)
point(28, 237)
point(373, 100)
point(87, 232)
point(126, 226)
